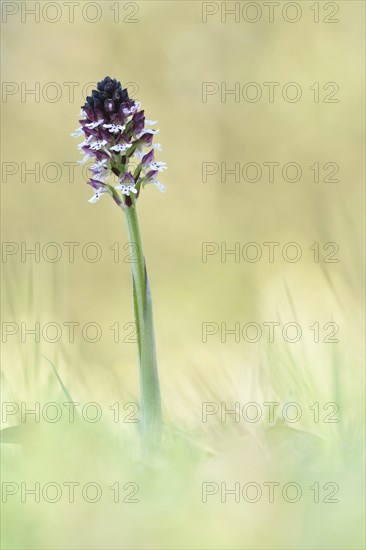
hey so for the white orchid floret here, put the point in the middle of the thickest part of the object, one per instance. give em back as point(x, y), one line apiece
point(101, 170)
point(114, 128)
point(99, 164)
point(150, 122)
point(151, 178)
point(77, 133)
point(131, 110)
point(126, 189)
point(146, 131)
point(121, 147)
point(85, 142)
point(95, 124)
point(102, 176)
point(159, 166)
point(84, 159)
point(160, 186)
point(127, 184)
point(97, 145)
point(98, 194)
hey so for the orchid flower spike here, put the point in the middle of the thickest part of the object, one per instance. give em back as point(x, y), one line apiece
point(116, 139)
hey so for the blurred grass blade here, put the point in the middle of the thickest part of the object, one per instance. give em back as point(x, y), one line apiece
point(64, 389)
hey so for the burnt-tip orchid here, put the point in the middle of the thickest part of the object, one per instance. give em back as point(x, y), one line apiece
point(119, 140)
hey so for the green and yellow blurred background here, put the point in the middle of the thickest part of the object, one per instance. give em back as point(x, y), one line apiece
point(165, 56)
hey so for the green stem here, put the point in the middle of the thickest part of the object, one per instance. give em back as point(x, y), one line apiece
point(151, 418)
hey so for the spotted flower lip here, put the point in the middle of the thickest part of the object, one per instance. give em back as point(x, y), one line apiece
point(127, 184)
point(121, 147)
point(115, 137)
point(99, 189)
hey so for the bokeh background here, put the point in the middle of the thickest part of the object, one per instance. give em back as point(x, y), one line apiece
point(165, 56)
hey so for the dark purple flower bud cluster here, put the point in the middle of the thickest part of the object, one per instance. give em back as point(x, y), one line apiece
point(108, 97)
point(116, 137)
